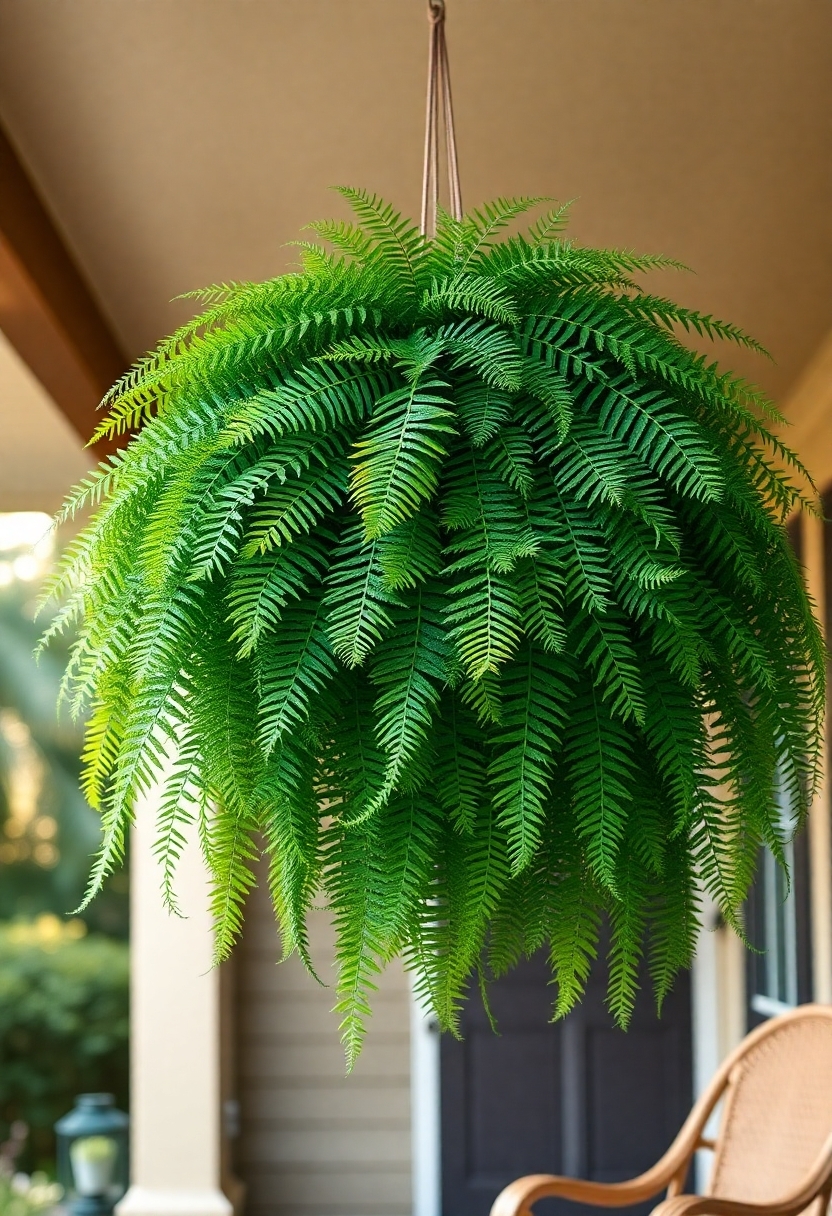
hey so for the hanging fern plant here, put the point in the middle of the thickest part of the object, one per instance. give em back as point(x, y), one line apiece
point(443, 571)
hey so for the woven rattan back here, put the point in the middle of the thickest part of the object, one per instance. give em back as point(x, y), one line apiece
point(777, 1110)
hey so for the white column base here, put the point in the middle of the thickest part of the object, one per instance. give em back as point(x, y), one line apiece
point(174, 1201)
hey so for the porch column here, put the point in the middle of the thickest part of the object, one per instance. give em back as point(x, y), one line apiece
point(174, 1041)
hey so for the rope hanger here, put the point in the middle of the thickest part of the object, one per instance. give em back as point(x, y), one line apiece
point(438, 102)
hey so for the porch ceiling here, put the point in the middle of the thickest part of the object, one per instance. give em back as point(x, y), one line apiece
point(182, 143)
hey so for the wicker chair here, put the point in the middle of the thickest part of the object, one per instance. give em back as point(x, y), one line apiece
point(773, 1152)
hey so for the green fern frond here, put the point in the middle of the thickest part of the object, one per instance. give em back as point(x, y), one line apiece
point(467, 240)
point(349, 238)
point(535, 689)
point(395, 467)
point(470, 295)
point(445, 573)
point(397, 243)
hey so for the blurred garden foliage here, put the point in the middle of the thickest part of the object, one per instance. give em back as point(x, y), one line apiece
point(48, 833)
point(63, 1024)
point(63, 978)
point(21, 1195)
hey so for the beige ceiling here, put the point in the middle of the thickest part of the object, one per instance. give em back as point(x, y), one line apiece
point(179, 142)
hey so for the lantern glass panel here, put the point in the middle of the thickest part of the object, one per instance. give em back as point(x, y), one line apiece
point(93, 1160)
point(92, 1155)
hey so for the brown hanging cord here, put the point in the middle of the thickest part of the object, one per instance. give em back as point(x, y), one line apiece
point(438, 100)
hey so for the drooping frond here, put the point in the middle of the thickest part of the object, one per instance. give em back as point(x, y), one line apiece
point(448, 574)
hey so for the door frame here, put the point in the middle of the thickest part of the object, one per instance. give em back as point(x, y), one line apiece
point(425, 1110)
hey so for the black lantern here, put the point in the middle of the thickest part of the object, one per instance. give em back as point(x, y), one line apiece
point(92, 1155)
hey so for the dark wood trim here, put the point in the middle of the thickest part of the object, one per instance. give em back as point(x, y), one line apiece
point(47, 310)
point(801, 882)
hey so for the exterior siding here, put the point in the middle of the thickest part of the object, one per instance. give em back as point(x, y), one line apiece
point(315, 1142)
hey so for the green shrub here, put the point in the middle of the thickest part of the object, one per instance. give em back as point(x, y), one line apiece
point(63, 1023)
point(21, 1195)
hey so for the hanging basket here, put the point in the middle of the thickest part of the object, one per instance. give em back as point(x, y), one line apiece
point(443, 571)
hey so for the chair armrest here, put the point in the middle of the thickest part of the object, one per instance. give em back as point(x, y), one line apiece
point(517, 1198)
point(817, 1182)
point(711, 1205)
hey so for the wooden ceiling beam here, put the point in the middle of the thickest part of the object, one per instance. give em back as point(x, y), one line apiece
point(47, 310)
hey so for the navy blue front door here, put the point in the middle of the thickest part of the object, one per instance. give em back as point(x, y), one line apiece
point(579, 1097)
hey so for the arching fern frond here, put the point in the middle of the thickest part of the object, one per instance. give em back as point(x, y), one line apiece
point(447, 573)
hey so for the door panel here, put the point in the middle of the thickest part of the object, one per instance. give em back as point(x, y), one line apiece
point(579, 1097)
